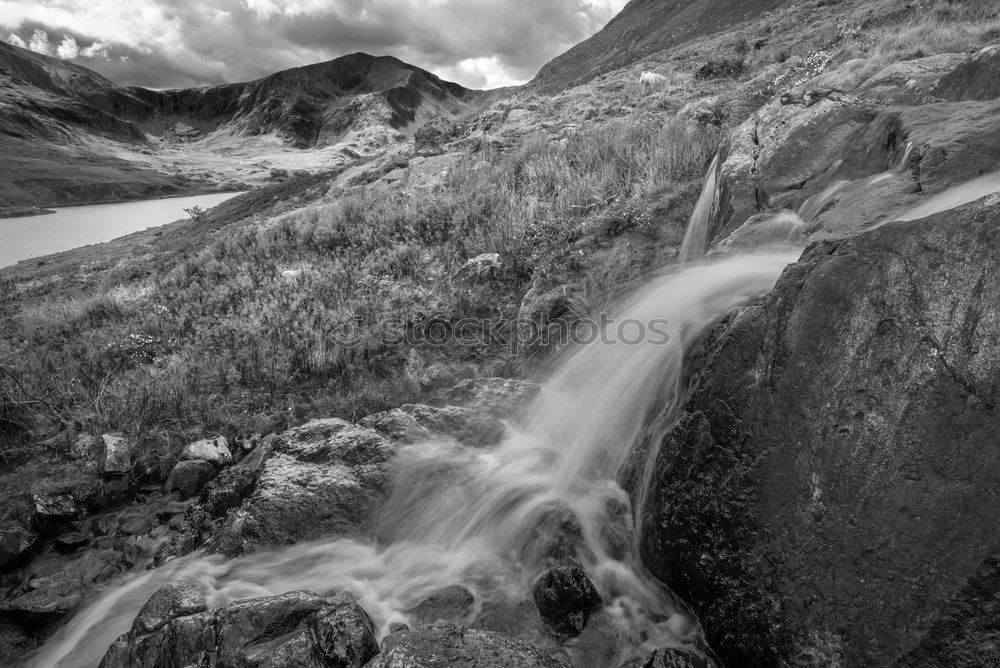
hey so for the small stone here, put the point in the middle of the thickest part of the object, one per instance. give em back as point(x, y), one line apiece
point(213, 450)
point(117, 455)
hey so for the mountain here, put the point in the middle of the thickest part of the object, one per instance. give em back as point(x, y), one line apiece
point(643, 28)
point(91, 139)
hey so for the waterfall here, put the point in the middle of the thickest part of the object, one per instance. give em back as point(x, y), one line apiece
point(469, 515)
point(696, 237)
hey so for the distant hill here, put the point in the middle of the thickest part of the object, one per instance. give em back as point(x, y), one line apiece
point(642, 28)
point(63, 126)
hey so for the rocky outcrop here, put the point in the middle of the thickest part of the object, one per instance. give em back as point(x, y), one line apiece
point(448, 645)
point(504, 398)
point(978, 78)
point(326, 478)
point(412, 423)
point(295, 629)
point(823, 496)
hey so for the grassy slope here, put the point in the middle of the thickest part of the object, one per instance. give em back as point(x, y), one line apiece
point(231, 324)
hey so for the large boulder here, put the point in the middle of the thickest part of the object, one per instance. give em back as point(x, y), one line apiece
point(442, 645)
point(326, 478)
point(294, 629)
point(824, 494)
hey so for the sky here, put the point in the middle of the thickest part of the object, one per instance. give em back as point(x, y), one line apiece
point(182, 43)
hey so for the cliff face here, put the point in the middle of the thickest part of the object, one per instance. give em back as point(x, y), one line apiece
point(642, 28)
point(828, 491)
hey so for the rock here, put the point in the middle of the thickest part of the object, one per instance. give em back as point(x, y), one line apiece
point(546, 314)
point(15, 541)
point(479, 268)
point(565, 598)
point(212, 450)
point(556, 537)
point(70, 542)
point(189, 476)
point(501, 397)
point(229, 488)
point(428, 139)
point(833, 513)
point(452, 604)
point(683, 656)
point(171, 601)
point(118, 452)
point(344, 634)
point(89, 448)
point(13, 643)
point(907, 82)
point(448, 645)
point(978, 78)
point(294, 629)
point(47, 601)
point(413, 423)
point(327, 479)
point(436, 377)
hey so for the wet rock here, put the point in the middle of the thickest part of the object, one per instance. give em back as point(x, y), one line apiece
point(501, 397)
point(118, 453)
point(70, 542)
point(452, 604)
point(213, 450)
point(344, 633)
point(978, 78)
point(565, 598)
point(556, 537)
point(15, 541)
point(168, 603)
point(294, 629)
point(797, 507)
point(46, 601)
point(682, 656)
point(413, 423)
point(189, 476)
point(296, 501)
point(448, 645)
point(228, 490)
point(14, 642)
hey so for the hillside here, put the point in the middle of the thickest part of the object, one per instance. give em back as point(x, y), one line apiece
point(93, 140)
point(644, 28)
point(365, 412)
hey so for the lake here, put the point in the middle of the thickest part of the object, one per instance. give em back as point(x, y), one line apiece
point(74, 226)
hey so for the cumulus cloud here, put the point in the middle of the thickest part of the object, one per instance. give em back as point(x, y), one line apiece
point(167, 43)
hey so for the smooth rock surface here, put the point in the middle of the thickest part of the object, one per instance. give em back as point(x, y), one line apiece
point(213, 450)
point(824, 496)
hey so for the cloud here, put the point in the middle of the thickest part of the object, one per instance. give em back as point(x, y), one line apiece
point(168, 43)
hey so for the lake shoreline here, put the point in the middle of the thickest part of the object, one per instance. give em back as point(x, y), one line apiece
point(25, 212)
point(30, 237)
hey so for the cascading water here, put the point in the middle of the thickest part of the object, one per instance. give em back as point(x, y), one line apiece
point(466, 515)
point(696, 236)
